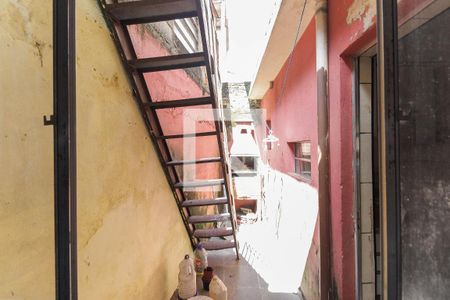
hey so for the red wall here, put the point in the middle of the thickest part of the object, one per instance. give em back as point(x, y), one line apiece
point(294, 118)
point(351, 29)
point(177, 85)
point(345, 40)
point(293, 115)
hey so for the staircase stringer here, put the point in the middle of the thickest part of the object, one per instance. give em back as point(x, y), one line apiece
point(117, 17)
point(116, 29)
point(225, 164)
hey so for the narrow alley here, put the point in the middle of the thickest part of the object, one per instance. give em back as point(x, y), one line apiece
point(224, 150)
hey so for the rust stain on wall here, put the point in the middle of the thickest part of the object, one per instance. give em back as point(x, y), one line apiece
point(362, 10)
point(108, 80)
point(125, 205)
point(20, 18)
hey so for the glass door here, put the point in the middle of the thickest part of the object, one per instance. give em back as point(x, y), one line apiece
point(414, 123)
point(423, 120)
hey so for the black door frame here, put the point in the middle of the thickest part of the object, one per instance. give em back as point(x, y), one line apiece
point(387, 30)
point(64, 121)
point(356, 174)
point(64, 135)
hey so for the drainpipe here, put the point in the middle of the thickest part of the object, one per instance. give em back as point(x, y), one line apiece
point(323, 148)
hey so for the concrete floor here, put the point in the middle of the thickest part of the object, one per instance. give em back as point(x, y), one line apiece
point(241, 280)
point(274, 250)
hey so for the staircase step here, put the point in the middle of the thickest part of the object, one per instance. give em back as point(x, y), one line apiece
point(204, 202)
point(180, 103)
point(218, 245)
point(199, 183)
point(213, 232)
point(163, 63)
point(194, 161)
point(186, 135)
point(149, 11)
point(209, 218)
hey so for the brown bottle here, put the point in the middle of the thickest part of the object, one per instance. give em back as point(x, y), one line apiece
point(206, 278)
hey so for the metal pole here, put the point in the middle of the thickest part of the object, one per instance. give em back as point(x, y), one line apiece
point(388, 147)
point(323, 145)
point(64, 131)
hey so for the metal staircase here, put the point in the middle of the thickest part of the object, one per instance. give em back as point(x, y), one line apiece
point(120, 15)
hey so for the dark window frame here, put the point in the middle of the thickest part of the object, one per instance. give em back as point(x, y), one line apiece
point(302, 159)
point(253, 170)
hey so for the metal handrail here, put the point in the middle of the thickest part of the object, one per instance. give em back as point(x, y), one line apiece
point(209, 40)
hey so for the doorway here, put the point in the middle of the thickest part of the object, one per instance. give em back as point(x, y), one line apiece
point(367, 224)
point(414, 132)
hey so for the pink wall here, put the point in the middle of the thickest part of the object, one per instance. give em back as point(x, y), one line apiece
point(345, 40)
point(294, 118)
point(177, 85)
point(351, 29)
point(293, 115)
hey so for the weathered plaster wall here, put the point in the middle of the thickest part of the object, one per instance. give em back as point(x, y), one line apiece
point(351, 30)
point(131, 236)
point(26, 151)
point(293, 119)
point(363, 11)
point(292, 114)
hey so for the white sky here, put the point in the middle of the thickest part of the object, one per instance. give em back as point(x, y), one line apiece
point(247, 23)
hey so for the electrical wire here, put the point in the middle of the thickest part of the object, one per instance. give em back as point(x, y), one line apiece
point(288, 67)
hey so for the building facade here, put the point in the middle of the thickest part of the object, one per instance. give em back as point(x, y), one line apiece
point(359, 229)
point(130, 236)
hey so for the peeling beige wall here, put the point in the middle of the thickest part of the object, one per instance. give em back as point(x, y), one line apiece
point(26, 151)
point(131, 237)
point(362, 10)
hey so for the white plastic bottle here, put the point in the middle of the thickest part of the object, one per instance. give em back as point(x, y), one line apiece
point(187, 284)
point(217, 289)
point(201, 259)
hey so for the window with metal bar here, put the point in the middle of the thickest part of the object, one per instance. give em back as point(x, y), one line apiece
point(302, 159)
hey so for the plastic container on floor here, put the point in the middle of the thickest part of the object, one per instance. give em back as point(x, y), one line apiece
point(201, 259)
point(187, 285)
point(217, 289)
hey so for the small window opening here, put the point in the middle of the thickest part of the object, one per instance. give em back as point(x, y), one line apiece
point(243, 164)
point(302, 159)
